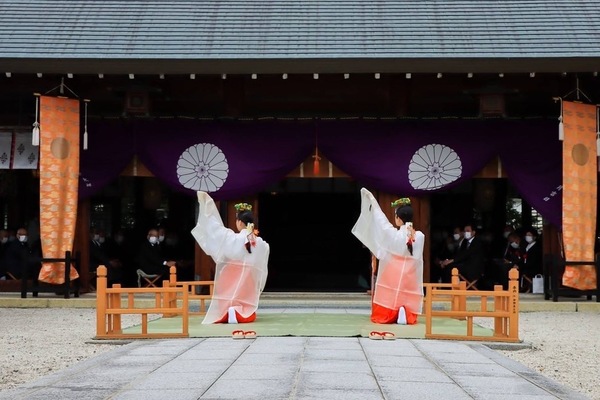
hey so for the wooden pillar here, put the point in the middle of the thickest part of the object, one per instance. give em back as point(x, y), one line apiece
point(81, 242)
point(421, 209)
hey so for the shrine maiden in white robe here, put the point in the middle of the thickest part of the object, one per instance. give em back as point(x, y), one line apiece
point(400, 274)
point(240, 276)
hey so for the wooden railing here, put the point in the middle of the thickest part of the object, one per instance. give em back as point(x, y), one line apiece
point(112, 303)
point(194, 291)
point(504, 310)
point(444, 293)
point(173, 299)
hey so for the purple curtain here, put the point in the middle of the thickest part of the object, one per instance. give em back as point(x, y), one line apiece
point(532, 157)
point(413, 157)
point(111, 147)
point(227, 159)
point(232, 159)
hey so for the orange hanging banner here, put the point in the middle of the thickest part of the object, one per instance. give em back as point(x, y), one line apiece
point(579, 193)
point(59, 180)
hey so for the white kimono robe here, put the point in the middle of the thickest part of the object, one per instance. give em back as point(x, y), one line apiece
point(240, 276)
point(400, 274)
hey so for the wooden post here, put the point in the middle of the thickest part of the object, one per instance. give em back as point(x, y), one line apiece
point(428, 309)
point(498, 306)
point(513, 306)
point(185, 317)
point(116, 304)
point(172, 297)
point(101, 301)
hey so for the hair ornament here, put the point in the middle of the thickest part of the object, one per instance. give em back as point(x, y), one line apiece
point(404, 201)
point(239, 207)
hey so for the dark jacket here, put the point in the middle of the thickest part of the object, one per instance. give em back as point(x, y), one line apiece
point(150, 259)
point(23, 259)
point(471, 260)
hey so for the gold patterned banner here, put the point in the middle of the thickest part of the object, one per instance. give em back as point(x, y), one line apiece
point(579, 193)
point(59, 179)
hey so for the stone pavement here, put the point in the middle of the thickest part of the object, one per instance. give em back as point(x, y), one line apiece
point(323, 368)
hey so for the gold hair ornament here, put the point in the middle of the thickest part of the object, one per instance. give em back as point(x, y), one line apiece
point(404, 201)
point(242, 207)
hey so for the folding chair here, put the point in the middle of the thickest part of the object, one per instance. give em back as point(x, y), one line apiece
point(11, 276)
point(150, 279)
point(526, 284)
point(470, 284)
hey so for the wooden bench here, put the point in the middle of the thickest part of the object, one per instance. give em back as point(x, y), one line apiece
point(554, 268)
point(66, 288)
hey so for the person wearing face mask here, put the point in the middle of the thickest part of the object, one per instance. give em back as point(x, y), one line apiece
point(531, 263)
point(512, 256)
point(100, 255)
point(120, 249)
point(445, 250)
point(23, 258)
point(151, 259)
point(470, 258)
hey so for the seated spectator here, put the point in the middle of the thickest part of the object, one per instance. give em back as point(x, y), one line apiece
point(120, 248)
point(150, 257)
point(512, 257)
point(445, 250)
point(100, 255)
point(471, 258)
point(22, 258)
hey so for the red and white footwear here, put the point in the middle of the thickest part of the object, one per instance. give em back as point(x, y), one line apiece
point(239, 334)
point(249, 335)
point(375, 335)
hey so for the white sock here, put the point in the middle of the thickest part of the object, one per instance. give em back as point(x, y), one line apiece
point(402, 316)
point(231, 318)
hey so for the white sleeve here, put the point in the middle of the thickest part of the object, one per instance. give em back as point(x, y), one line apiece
point(375, 231)
point(213, 237)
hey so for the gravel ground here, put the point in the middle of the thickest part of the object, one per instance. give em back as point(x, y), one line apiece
point(565, 346)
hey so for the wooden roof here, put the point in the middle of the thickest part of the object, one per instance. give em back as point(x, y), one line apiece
point(257, 36)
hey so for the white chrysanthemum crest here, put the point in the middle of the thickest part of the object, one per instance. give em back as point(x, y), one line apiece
point(434, 166)
point(202, 167)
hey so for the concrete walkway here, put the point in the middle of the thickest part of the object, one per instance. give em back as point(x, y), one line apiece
point(272, 368)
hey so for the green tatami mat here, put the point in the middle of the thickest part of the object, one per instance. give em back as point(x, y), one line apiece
point(311, 324)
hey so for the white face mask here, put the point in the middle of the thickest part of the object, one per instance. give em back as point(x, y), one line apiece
point(528, 238)
point(96, 237)
point(506, 234)
point(161, 238)
point(456, 236)
point(468, 235)
point(514, 245)
point(101, 240)
point(4, 240)
point(153, 239)
point(23, 238)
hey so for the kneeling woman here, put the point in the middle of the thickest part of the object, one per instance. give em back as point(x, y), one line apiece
point(241, 262)
point(398, 295)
